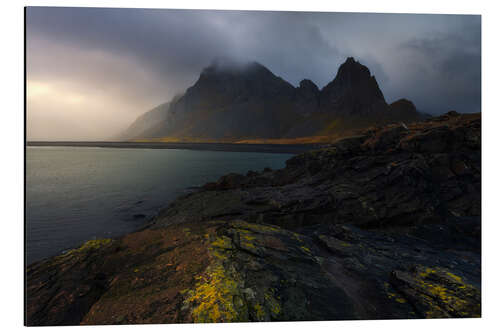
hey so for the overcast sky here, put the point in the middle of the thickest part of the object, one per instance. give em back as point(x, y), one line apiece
point(91, 71)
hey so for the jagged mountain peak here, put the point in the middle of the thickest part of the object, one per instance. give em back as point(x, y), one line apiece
point(226, 82)
point(353, 91)
point(352, 71)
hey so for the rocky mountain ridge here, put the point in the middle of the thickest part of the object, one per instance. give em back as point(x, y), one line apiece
point(233, 102)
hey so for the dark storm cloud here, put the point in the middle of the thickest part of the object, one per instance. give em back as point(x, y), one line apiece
point(452, 75)
point(107, 66)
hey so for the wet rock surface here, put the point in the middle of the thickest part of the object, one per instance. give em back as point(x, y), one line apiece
point(378, 226)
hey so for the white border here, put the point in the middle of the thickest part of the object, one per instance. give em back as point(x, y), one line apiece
point(12, 162)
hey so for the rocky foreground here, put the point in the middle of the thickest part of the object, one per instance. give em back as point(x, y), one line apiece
point(378, 226)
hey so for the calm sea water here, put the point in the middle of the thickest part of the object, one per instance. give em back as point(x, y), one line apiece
point(76, 194)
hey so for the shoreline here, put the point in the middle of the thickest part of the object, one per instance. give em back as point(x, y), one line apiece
point(328, 237)
point(229, 147)
point(140, 223)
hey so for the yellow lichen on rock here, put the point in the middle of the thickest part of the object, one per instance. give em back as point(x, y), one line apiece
point(445, 294)
point(255, 227)
point(93, 244)
point(457, 278)
point(259, 312)
point(223, 242)
point(217, 296)
point(273, 304)
point(213, 298)
point(306, 249)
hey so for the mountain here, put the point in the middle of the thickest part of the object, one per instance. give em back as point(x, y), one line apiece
point(354, 91)
point(145, 122)
point(236, 102)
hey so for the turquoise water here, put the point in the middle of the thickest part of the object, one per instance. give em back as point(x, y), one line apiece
point(75, 194)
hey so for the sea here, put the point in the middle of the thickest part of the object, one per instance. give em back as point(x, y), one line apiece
point(75, 194)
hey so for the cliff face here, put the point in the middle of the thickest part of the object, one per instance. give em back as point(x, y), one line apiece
point(353, 91)
point(382, 225)
point(247, 101)
point(232, 101)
